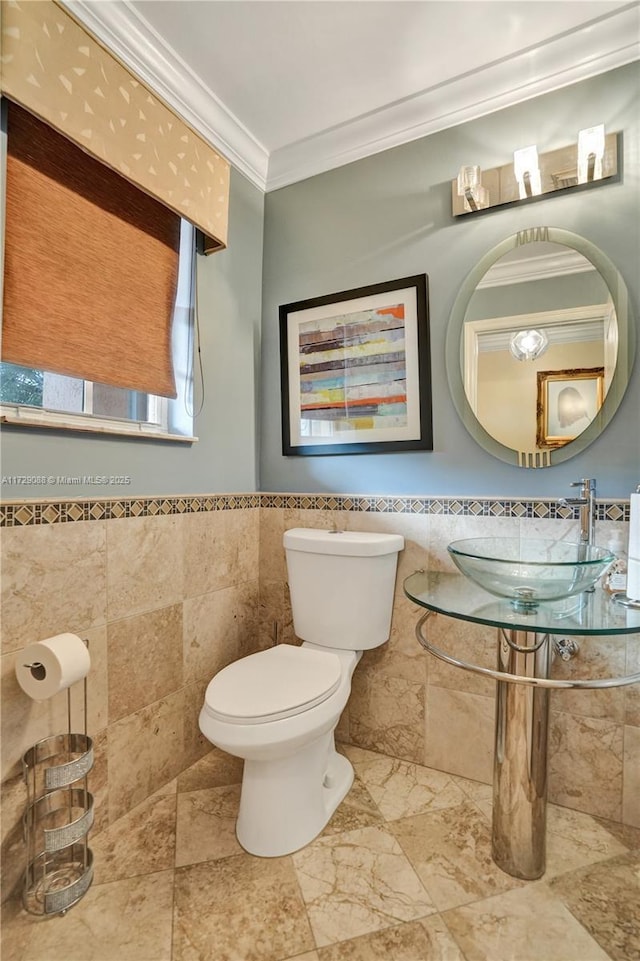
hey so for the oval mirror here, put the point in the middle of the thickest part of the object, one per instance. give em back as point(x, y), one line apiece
point(540, 347)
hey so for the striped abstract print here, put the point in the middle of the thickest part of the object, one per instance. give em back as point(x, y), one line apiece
point(353, 372)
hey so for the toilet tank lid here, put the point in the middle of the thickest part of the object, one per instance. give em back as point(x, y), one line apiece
point(357, 543)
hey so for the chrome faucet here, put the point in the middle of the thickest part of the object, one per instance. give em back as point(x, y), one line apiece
point(586, 503)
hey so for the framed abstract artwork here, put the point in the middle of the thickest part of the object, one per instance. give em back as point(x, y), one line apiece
point(355, 369)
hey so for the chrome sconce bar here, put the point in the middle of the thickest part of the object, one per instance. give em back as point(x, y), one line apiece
point(531, 176)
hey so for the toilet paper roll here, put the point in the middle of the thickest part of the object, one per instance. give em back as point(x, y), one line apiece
point(633, 568)
point(47, 667)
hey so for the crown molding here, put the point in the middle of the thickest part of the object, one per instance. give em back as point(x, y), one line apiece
point(571, 325)
point(590, 331)
point(525, 269)
point(118, 27)
point(602, 45)
point(607, 43)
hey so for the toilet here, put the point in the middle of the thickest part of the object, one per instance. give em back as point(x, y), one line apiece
point(278, 708)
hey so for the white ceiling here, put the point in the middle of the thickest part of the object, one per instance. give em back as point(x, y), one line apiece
point(288, 88)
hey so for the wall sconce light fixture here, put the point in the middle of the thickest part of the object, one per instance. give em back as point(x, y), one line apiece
point(528, 344)
point(476, 197)
point(591, 161)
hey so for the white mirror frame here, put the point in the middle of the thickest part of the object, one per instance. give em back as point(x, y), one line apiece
point(455, 348)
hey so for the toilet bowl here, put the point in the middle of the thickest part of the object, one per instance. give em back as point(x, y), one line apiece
point(293, 777)
point(278, 708)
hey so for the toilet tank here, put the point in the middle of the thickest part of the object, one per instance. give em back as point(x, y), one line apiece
point(342, 585)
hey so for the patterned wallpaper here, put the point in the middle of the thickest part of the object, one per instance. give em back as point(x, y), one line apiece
point(58, 71)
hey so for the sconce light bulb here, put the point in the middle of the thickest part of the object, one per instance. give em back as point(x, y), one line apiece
point(527, 171)
point(590, 153)
point(469, 176)
point(476, 197)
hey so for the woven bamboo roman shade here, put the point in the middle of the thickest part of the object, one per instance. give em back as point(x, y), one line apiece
point(91, 265)
point(99, 173)
point(55, 69)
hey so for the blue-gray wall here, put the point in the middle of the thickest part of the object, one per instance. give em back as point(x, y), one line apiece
point(389, 216)
point(384, 217)
point(551, 293)
point(225, 456)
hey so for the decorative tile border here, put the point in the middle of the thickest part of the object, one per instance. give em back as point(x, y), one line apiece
point(457, 506)
point(28, 513)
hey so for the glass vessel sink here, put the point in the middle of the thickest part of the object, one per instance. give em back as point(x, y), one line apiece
point(527, 571)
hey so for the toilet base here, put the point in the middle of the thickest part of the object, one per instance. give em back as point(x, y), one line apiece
point(285, 803)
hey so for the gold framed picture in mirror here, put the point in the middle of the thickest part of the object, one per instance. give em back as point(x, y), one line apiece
point(568, 401)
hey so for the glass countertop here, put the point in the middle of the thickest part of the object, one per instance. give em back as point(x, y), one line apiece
point(456, 596)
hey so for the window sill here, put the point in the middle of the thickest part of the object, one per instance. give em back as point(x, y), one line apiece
point(15, 416)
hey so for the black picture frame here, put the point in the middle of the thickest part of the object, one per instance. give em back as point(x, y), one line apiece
point(356, 371)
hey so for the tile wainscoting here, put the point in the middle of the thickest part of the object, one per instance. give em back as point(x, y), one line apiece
point(169, 590)
point(164, 600)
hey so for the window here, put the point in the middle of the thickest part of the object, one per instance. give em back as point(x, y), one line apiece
point(71, 304)
point(44, 398)
point(98, 294)
point(43, 389)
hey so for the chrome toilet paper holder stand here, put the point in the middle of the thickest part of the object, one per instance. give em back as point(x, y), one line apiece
point(57, 819)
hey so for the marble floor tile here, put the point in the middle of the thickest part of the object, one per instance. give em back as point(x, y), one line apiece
point(15, 930)
point(625, 833)
point(141, 842)
point(368, 888)
point(450, 850)
point(169, 787)
point(527, 924)
point(213, 770)
point(358, 810)
point(573, 840)
point(206, 825)
point(476, 790)
point(356, 883)
point(566, 854)
point(239, 909)
point(401, 789)
point(605, 898)
point(126, 920)
point(413, 941)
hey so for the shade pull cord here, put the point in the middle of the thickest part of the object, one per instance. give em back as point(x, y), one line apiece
point(194, 330)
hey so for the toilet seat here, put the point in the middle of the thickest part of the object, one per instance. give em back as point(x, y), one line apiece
point(273, 684)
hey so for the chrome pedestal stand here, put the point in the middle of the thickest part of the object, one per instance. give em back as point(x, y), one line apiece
point(520, 758)
point(521, 734)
